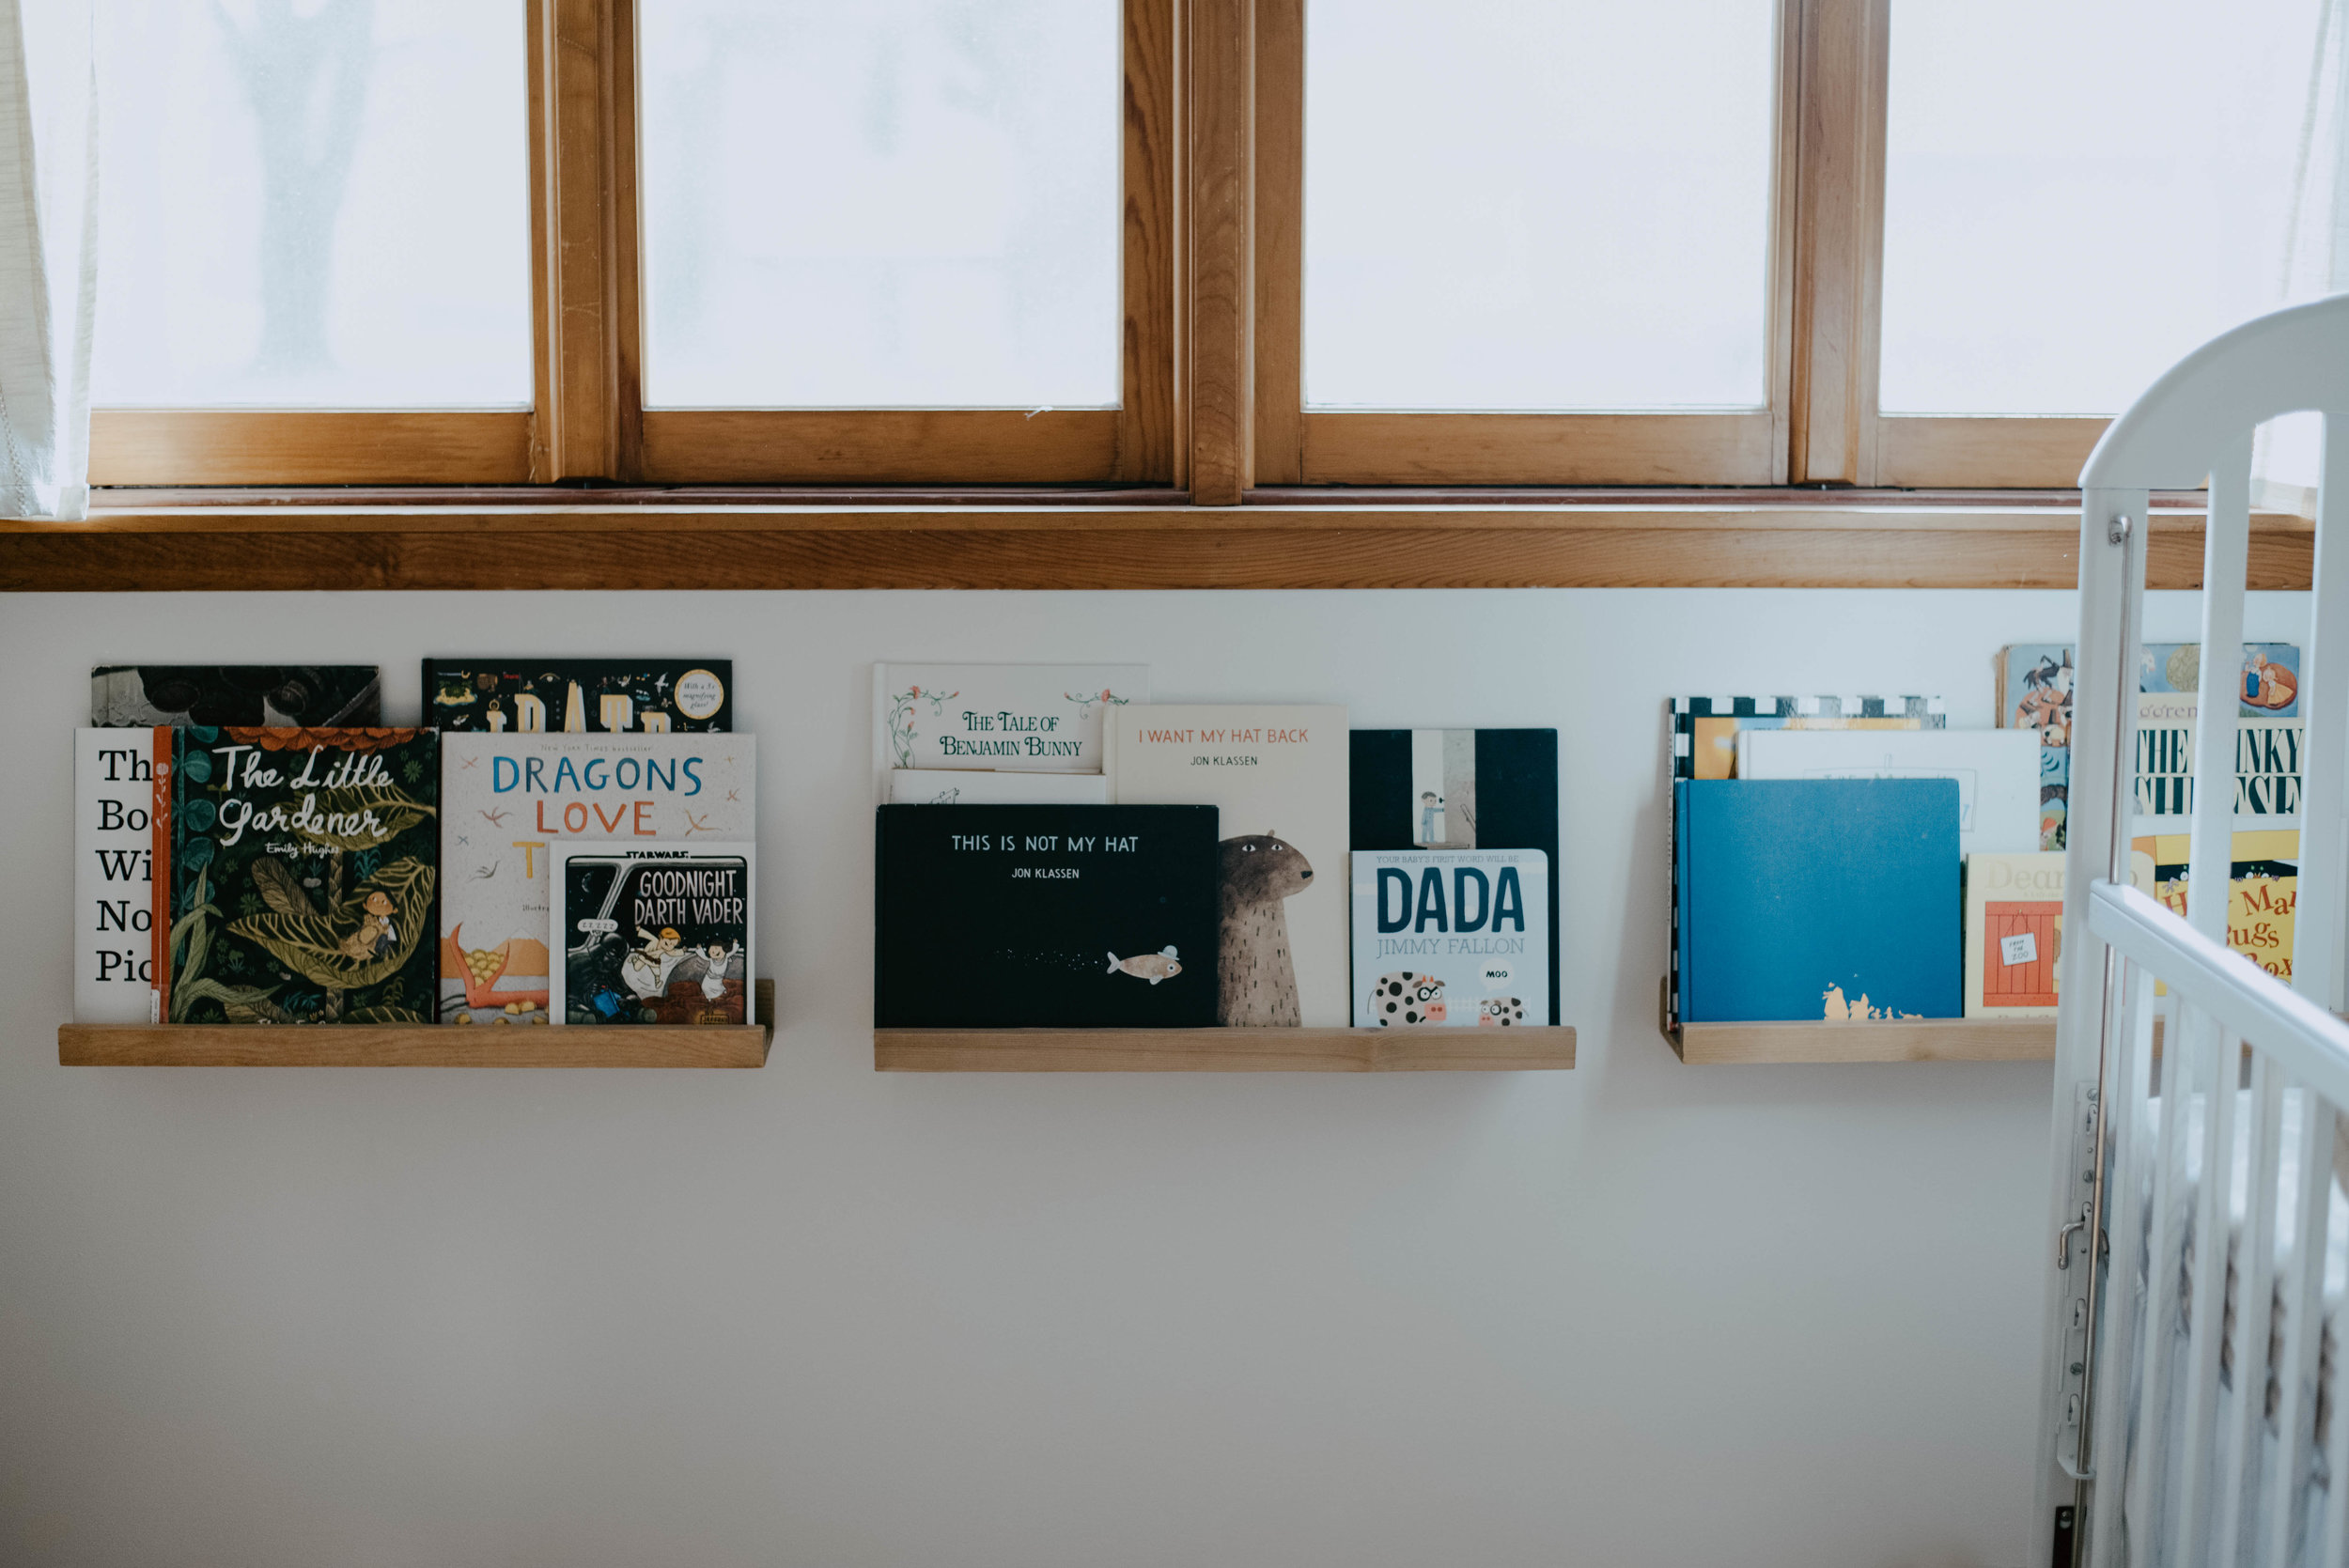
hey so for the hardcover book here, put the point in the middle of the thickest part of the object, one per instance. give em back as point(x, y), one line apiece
point(1452, 938)
point(303, 870)
point(970, 786)
point(2015, 931)
point(1461, 789)
point(578, 696)
point(2266, 890)
point(277, 695)
point(1009, 718)
point(2267, 757)
point(1279, 777)
point(1832, 899)
point(654, 932)
point(1996, 772)
point(1045, 916)
point(506, 799)
point(114, 872)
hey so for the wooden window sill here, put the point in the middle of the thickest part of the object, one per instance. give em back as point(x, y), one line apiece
point(1099, 538)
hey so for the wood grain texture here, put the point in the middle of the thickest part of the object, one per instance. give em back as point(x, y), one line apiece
point(422, 1046)
point(1842, 65)
point(879, 447)
point(327, 446)
point(1992, 450)
point(1106, 548)
point(579, 428)
point(1220, 34)
point(1917, 1040)
point(1277, 223)
point(1220, 1050)
point(1382, 448)
point(1150, 426)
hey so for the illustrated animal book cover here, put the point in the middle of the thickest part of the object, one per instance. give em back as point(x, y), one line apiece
point(1455, 938)
point(2015, 931)
point(2034, 692)
point(115, 780)
point(1996, 772)
point(1279, 777)
point(970, 786)
point(578, 696)
point(1461, 789)
point(2262, 900)
point(277, 695)
point(654, 933)
point(303, 870)
point(506, 799)
point(1010, 718)
point(1832, 899)
point(1045, 916)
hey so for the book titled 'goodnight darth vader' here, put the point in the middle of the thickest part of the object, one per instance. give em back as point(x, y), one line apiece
point(1045, 916)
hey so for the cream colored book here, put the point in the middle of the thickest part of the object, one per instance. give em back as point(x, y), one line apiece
point(1279, 776)
point(2014, 930)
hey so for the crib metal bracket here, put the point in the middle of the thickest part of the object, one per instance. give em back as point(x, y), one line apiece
point(2117, 528)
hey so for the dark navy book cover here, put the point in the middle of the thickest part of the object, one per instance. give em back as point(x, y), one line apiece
point(531, 695)
point(1045, 917)
point(1832, 899)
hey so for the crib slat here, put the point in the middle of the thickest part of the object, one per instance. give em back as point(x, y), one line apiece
point(2317, 944)
point(2239, 1442)
point(2302, 1279)
point(2226, 540)
point(2122, 1310)
point(2215, 1073)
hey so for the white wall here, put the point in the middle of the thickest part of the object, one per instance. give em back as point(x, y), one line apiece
point(1635, 1313)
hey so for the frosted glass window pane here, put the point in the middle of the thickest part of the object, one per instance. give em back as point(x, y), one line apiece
point(319, 204)
point(1537, 204)
point(2080, 192)
point(884, 203)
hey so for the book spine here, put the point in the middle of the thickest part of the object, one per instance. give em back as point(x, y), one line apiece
point(165, 767)
point(1680, 899)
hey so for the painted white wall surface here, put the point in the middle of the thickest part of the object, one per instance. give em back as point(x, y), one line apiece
point(1637, 1314)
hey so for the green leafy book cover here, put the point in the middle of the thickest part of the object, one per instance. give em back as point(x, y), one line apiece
point(303, 875)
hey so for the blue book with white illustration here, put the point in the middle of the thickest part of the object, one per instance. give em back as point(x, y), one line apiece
point(1808, 899)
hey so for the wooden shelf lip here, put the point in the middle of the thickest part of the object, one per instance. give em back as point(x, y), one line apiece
point(567, 539)
point(411, 1045)
point(1221, 1050)
point(1902, 1040)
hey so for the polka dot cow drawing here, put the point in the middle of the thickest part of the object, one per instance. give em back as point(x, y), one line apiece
point(1504, 1011)
point(1405, 997)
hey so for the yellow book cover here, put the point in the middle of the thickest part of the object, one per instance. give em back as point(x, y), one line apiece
point(2260, 904)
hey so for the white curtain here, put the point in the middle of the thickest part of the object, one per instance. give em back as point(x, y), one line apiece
point(47, 254)
point(2315, 252)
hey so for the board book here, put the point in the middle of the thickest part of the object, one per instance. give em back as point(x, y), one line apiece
point(653, 933)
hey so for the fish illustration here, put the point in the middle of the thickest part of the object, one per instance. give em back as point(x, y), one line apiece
point(1153, 967)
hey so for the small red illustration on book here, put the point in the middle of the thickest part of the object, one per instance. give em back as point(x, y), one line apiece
point(2020, 944)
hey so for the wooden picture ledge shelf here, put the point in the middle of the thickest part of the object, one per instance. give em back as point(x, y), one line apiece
point(1221, 1050)
point(86, 1045)
point(1901, 1040)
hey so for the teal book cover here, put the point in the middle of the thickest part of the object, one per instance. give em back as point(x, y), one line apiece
point(1833, 899)
point(302, 865)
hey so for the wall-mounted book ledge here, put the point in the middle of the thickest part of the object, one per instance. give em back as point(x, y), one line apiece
point(420, 1046)
point(1910, 1040)
point(1223, 1050)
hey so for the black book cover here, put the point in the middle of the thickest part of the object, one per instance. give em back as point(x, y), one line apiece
point(653, 934)
point(309, 696)
point(580, 696)
point(1045, 917)
point(1499, 791)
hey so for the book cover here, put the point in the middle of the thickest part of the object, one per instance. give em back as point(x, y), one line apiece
point(1009, 718)
point(654, 932)
point(1832, 899)
point(506, 799)
point(114, 880)
point(1045, 916)
point(2015, 931)
point(2260, 902)
point(970, 786)
point(1452, 938)
point(1464, 789)
point(1279, 776)
point(303, 870)
point(2266, 756)
point(278, 696)
point(1996, 772)
point(578, 696)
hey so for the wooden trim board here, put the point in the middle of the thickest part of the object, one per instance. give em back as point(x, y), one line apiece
point(1220, 1050)
point(411, 1045)
point(1915, 1040)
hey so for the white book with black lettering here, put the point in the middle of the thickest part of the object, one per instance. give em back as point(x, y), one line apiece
point(113, 883)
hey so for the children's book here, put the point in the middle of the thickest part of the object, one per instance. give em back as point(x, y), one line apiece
point(578, 696)
point(2015, 931)
point(303, 869)
point(2266, 890)
point(115, 780)
point(1009, 718)
point(1461, 789)
point(1045, 916)
point(1279, 777)
point(506, 799)
point(1832, 899)
point(1453, 937)
point(970, 786)
point(279, 696)
point(1996, 772)
point(653, 933)
point(2268, 767)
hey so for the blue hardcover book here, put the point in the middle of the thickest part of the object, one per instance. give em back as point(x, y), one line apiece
point(1819, 898)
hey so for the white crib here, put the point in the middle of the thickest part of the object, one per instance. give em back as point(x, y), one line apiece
point(2193, 1390)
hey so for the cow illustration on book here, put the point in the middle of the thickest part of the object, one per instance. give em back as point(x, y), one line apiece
point(1406, 997)
point(1256, 979)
